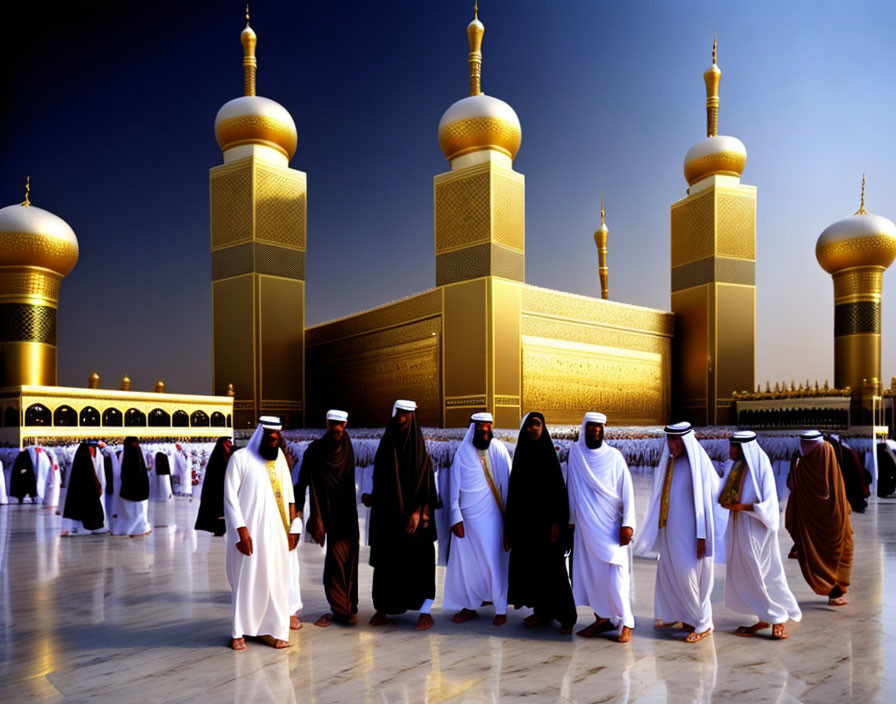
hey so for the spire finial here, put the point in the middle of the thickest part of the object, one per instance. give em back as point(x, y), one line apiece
point(600, 239)
point(861, 210)
point(475, 30)
point(27, 201)
point(711, 78)
point(249, 39)
point(602, 212)
point(715, 42)
point(247, 14)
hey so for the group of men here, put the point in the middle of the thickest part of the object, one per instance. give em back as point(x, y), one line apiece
point(506, 526)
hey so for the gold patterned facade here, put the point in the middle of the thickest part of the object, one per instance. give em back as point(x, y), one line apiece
point(258, 244)
point(33, 414)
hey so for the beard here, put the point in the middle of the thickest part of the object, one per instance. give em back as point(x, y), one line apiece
point(594, 444)
point(267, 452)
point(482, 443)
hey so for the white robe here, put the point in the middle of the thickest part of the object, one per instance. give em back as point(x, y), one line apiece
point(4, 497)
point(47, 479)
point(110, 496)
point(601, 501)
point(181, 474)
point(77, 527)
point(683, 582)
point(260, 581)
point(159, 484)
point(755, 582)
point(477, 563)
point(133, 516)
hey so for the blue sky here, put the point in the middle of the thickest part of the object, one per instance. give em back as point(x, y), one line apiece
point(111, 108)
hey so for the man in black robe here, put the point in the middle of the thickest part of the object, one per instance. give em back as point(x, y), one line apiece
point(211, 502)
point(856, 478)
point(402, 529)
point(328, 471)
point(22, 480)
point(83, 500)
point(536, 527)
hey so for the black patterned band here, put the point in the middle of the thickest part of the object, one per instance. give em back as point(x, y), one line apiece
point(24, 322)
point(861, 317)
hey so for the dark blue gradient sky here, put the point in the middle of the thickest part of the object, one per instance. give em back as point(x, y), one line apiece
point(110, 107)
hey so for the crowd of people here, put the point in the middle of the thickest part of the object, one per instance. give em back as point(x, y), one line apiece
point(520, 530)
point(514, 531)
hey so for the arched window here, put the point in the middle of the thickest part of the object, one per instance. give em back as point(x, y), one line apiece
point(89, 417)
point(218, 420)
point(180, 419)
point(112, 417)
point(159, 418)
point(65, 416)
point(134, 418)
point(229, 421)
point(199, 419)
point(38, 414)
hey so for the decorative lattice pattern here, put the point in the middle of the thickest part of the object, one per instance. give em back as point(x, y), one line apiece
point(29, 283)
point(866, 283)
point(258, 258)
point(475, 133)
point(280, 207)
point(736, 233)
point(714, 270)
point(509, 214)
point(231, 206)
point(462, 211)
point(693, 223)
point(862, 317)
point(20, 322)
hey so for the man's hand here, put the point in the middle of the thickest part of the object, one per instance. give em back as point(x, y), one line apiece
point(625, 535)
point(701, 548)
point(458, 529)
point(365, 499)
point(506, 543)
point(245, 543)
point(413, 522)
point(555, 532)
point(293, 541)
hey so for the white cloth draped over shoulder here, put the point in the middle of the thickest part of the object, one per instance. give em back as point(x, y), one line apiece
point(477, 563)
point(756, 582)
point(683, 582)
point(601, 501)
point(262, 595)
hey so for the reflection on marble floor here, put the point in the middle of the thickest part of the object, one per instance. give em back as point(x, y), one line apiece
point(110, 619)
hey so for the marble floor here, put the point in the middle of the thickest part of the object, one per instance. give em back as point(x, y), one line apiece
point(105, 619)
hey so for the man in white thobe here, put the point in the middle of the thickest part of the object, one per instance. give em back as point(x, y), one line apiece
point(4, 499)
point(477, 492)
point(259, 509)
point(47, 479)
point(602, 510)
point(755, 581)
point(680, 526)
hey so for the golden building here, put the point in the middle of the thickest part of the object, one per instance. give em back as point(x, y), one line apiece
point(484, 339)
point(37, 250)
point(713, 274)
point(258, 240)
point(856, 251)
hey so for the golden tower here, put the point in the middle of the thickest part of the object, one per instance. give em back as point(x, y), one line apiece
point(600, 239)
point(713, 274)
point(855, 252)
point(258, 240)
point(37, 251)
point(480, 250)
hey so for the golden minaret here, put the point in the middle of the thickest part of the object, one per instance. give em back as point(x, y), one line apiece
point(856, 251)
point(37, 251)
point(600, 239)
point(258, 244)
point(713, 252)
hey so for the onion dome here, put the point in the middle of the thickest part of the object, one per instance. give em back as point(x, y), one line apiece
point(34, 237)
point(93, 381)
point(717, 154)
point(252, 119)
point(862, 239)
point(479, 121)
point(125, 383)
point(160, 386)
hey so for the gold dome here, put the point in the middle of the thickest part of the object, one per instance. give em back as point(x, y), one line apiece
point(125, 383)
point(862, 239)
point(34, 237)
point(479, 121)
point(160, 386)
point(93, 381)
point(726, 156)
point(252, 119)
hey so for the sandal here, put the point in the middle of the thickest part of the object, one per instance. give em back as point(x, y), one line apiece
point(697, 637)
point(779, 632)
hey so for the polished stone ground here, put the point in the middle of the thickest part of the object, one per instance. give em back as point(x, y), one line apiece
point(105, 619)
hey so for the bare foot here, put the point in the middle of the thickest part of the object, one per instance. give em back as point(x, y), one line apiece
point(464, 615)
point(324, 620)
point(424, 622)
point(534, 620)
point(625, 635)
point(838, 601)
point(779, 632)
point(499, 619)
point(697, 637)
point(379, 619)
point(659, 623)
point(748, 631)
point(238, 644)
point(294, 623)
point(601, 625)
point(274, 642)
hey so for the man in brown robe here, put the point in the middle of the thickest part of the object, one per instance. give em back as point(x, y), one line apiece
point(817, 519)
point(328, 471)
